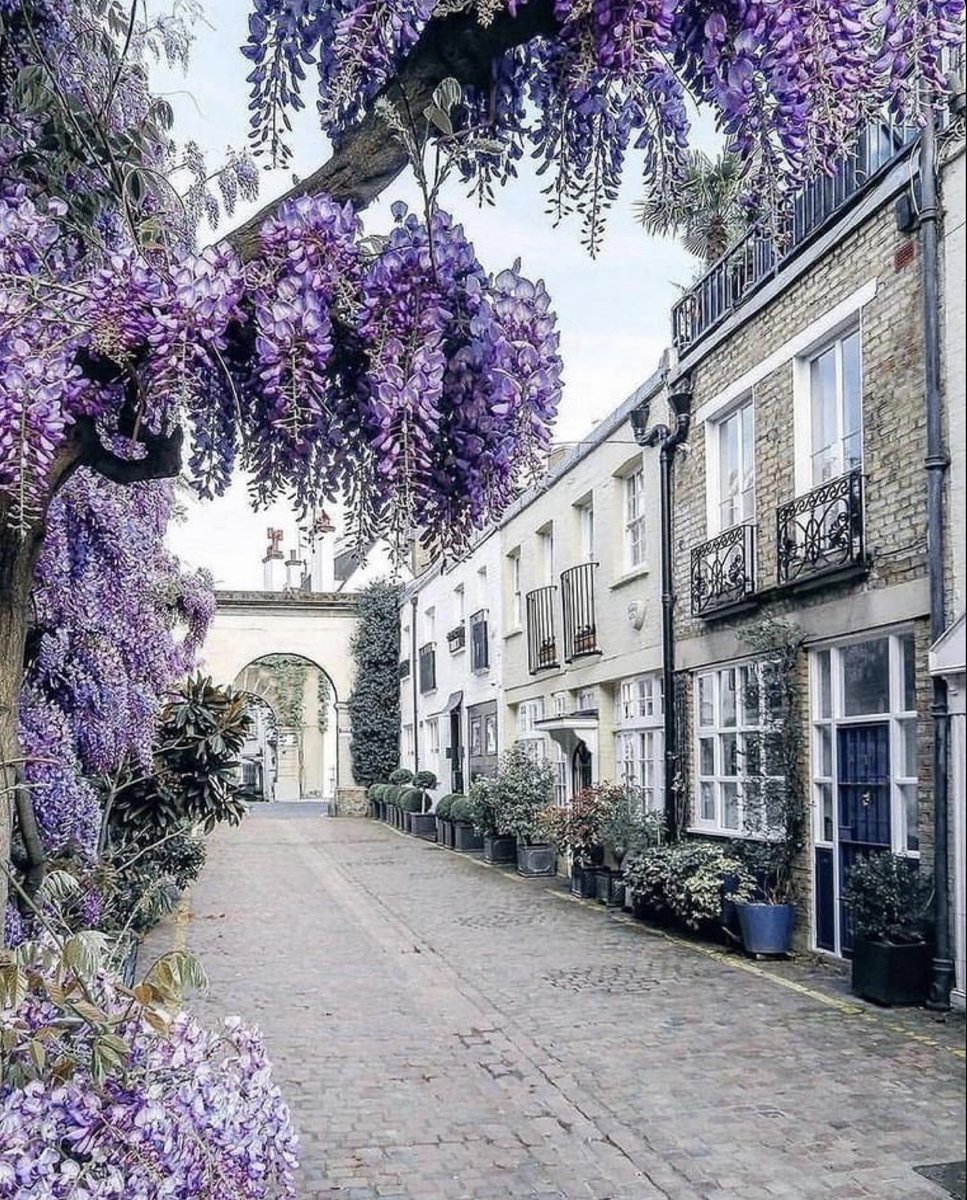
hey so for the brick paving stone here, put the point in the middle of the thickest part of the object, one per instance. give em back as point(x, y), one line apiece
point(446, 1031)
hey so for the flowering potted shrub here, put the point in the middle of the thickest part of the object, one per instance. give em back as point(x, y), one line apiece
point(484, 803)
point(888, 902)
point(524, 788)
point(577, 830)
point(467, 837)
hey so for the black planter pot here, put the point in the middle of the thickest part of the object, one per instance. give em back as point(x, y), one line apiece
point(766, 928)
point(610, 887)
point(584, 881)
point(499, 848)
point(408, 822)
point(466, 838)
point(394, 816)
point(536, 860)
point(891, 974)
point(423, 825)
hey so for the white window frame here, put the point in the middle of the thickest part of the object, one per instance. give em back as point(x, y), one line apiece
point(639, 698)
point(561, 790)
point(409, 745)
point(429, 625)
point(715, 782)
point(635, 531)
point(433, 739)
point(459, 604)
point(639, 737)
point(545, 546)
point(802, 402)
point(714, 494)
point(533, 740)
point(516, 591)
point(586, 531)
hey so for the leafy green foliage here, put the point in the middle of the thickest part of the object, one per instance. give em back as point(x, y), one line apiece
point(888, 898)
point(523, 788)
point(445, 805)
point(686, 879)
point(194, 777)
point(402, 775)
point(480, 805)
point(374, 706)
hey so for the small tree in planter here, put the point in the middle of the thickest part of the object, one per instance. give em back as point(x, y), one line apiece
point(628, 829)
point(577, 830)
point(483, 809)
point(422, 821)
point(525, 788)
point(444, 822)
point(467, 837)
point(888, 902)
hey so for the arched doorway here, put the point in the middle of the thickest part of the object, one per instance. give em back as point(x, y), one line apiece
point(302, 700)
point(259, 754)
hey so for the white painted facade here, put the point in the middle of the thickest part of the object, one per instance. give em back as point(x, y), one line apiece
point(453, 728)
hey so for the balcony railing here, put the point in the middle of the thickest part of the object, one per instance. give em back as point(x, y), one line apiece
point(577, 601)
point(744, 268)
point(479, 641)
point(723, 571)
point(404, 668)
point(541, 638)
point(821, 532)
point(457, 638)
point(427, 656)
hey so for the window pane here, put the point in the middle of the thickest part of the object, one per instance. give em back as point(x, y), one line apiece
point(826, 812)
point(729, 463)
point(908, 749)
point(748, 462)
point(824, 751)
point(824, 695)
point(706, 700)
point(730, 754)
point(730, 805)
point(706, 756)
point(852, 392)
point(727, 696)
point(866, 677)
point(708, 801)
point(825, 435)
point(908, 650)
point(750, 754)
point(748, 677)
point(911, 815)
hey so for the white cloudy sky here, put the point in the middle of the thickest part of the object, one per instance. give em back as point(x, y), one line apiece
point(613, 311)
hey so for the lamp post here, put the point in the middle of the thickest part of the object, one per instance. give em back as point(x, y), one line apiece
point(669, 438)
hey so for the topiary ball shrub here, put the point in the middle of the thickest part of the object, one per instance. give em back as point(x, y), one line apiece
point(401, 776)
point(424, 780)
point(411, 800)
point(392, 793)
point(461, 809)
point(444, 806)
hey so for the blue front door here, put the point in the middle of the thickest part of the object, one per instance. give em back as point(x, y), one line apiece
point(864, 804)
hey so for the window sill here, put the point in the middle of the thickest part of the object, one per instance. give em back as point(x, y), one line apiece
point(634, 573)
point(511, 633)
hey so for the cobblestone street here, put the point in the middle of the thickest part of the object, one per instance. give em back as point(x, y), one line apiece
point(446, 1031)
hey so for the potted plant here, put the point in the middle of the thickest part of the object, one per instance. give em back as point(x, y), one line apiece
point(422, 821)
point(627, 829)
point(888, 901)
point(576, 829)
point(683, 882)
point(467, 838)
point(524, 789)
point(444, 825)
point(483, 806)
point(767, 916)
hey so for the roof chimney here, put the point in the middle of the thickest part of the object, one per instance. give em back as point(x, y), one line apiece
point(273, 567)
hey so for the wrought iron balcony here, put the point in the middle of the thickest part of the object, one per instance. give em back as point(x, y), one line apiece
point(541, 638)
point(404, 668)
point(427, 656)
point(577, 601)
point(761, 254)
point(723, 571)
point(821, 532)
point(479, 641)
point(457, 637)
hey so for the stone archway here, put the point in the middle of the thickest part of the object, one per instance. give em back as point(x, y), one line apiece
point(259, 754)
point(302, 698)
point(249, 626)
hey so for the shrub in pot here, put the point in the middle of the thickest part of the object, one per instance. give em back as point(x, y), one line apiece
point(767, 916)
point(576, 830)
point(410, 802)
point(684, 881)
point(888, 902)
point(467, 837)
point(628, 828)
point(422, 823)
point(392, 799)
point(444, 825)
point(401, 776)
point(524, 789)
point(483, 805)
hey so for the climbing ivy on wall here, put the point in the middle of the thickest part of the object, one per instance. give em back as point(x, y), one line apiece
point(324, 697)
point(374, 706)
point(289, 683)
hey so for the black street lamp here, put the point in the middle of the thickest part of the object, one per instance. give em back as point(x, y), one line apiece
point(669, 438)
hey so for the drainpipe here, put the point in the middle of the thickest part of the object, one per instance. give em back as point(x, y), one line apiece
point(669, 439)
point(415, 686)
point(937, 461)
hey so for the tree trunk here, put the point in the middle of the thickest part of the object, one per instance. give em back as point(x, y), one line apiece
point(18, 556)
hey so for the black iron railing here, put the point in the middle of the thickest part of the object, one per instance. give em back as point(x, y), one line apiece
point(404, 668)
point(457, 638)
point(762, 254)
point(723, 570)
point(541, 638)
point(479, 641)
point(577, 602)
point(822, 531)
point(427, 657)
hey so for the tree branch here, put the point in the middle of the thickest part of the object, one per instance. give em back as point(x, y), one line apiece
point(162, 460)
point(367, 158)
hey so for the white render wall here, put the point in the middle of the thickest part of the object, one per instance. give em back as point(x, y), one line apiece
point(436, 589)
point(954, 207)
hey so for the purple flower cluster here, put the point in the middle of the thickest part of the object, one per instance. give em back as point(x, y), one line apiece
point(117, 624)
point(788, 80)
point(191, 1115)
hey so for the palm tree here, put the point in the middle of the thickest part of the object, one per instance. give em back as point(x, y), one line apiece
point(706, 212)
